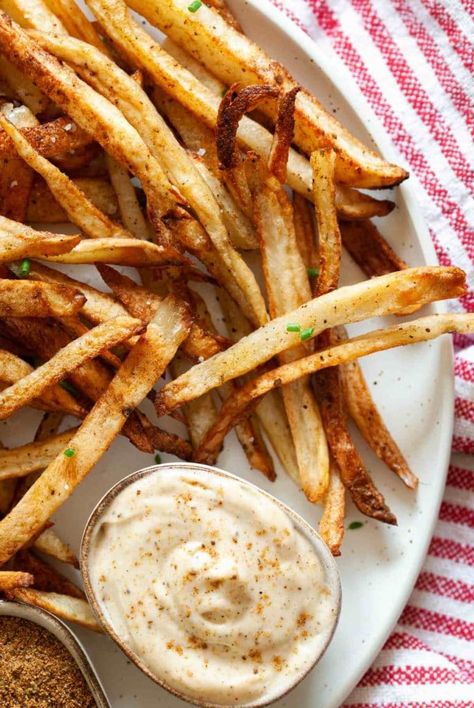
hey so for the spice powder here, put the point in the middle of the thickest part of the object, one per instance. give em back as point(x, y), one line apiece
point(36, 669)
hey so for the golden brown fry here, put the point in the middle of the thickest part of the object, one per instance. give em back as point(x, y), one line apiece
point(11, 579)
point(71, 609)
point(49, 543)
point(366, 416)
point(120, 251)
point(19, 241)
point(51, 139)
point(75, 22)
point(43, 208)
point(130, 210)
point(46, 578)
point(305, 232)
point(369, 249)
point(16, 178)
point(380, 296)
point(195, 67)
point(331, 525)
point(352, 204)
point(21, 461)
point(33, 14)
point(79, 209)
point(70, 357)
point(324, 194)
point(23, 298)
point(22, 87)
point(139, 372)
point(223, 10)
point(236, 58)
point(243, 402)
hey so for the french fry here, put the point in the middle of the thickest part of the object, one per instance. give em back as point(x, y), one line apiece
point(331, 525)
point(380, 296)
point(75, 22)
point(195, 67)
point(242, 403)
point(52, 140)
point(324, 194)
point(43, 208)
point(130, 210)
point(49, 543)
point(119, 251)
point(16, 178)
point(92, 112)
point(139, 372)
point(22, 461)
point(33, 14)
point(46, 578)
point(354, 205)
point(305, 232)
point(23, 298)
point(366, 416)
point(369, 249)
point(11, 579)
point(236, 58)
point(22, 87)
point(19, 241)
point(71, 356)
point(130, 98)
point(71, 609)
point(79, 209)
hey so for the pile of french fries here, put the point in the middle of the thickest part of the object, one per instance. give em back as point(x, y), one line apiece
point(178, 159)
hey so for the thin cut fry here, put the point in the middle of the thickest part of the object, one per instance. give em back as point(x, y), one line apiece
point(322, 162)
point(46, 578)
point(130, 211)
point(73, 355)
point(71, 609)
point(16, 178)
point(369, 249)
point(380, 296)
point(120, 251)
point(139, 372)
point(235, 58)
point(43, 207)
point(352, 204)
point(23, 298)
point(21, 461)
point(305, 232)
point(75, 22)
point(195, 67)
point(23, 88)
point(331, 525)
point(80, 210)
point(49, 543)
point(51, 139)
point(19, 241)
point(33, 14)
point(11, 579)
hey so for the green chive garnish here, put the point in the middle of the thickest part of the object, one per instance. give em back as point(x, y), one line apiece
point(158, 458)
point(69, 452)
point(194, 7)
point(290, 327)
point(68, 387)
point(313, 272)
point(355, 525)
point(306, 333)
point(25, 267)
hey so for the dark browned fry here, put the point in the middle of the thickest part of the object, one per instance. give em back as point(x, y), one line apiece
point(369, 249)
point(57, 139)
point(283, 136)
point(46, 578)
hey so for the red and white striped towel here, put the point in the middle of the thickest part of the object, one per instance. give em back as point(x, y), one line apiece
point(414, 62)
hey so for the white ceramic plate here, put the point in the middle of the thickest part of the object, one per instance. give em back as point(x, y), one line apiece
point(412, 386)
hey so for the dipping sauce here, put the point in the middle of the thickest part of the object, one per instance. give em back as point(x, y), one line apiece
point(211, 585)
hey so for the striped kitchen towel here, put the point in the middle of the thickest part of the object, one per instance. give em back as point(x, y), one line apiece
point(414, 62)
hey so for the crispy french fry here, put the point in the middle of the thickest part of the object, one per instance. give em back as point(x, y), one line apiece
point(43, 208)
point(324, 194)
point(369, 249)
point(243, 402)
point(352, 204)
point(24, 298)
point(11, 579)
point(130, 98)
point(331, 525)
point(73, 355)
point(366, 416)
point(33, 14)
point(79, 209)
point(71, 609)
point(21, 461)
point(51, 139)
point(305, 232)
point(130, 211)
point(46, 578)
point(49, 543)
point(119, 251)
point(380, 296)
point(75, 22)
point(236, 58)
point(143, 365)
point(195, 67)
point(19, 241)
point(16, 178)
point(23, 88)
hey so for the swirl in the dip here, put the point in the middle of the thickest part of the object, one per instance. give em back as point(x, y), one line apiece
point(211, 585)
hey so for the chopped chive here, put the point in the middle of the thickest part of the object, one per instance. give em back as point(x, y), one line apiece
point(306, 333)
point(292, 327)
point(158, 458)
point(194, 7)
point(313, 272)
point(68, 387)
point(69, 452)
point(355, 525)
point(25, 267)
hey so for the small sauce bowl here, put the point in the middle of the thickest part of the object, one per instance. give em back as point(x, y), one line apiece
point(322, 552)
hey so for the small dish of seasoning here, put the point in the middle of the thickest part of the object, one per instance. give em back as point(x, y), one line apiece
point(217, 590)
point(42, 664)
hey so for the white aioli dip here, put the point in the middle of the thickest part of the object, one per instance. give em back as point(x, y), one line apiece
point(211, 585)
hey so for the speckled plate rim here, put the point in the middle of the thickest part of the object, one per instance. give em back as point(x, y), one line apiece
point(66, 636)
point(323, 552)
